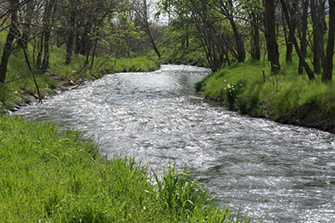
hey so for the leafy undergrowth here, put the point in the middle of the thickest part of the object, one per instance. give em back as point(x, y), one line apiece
point(51, 177)
point(287, 97)
point(102, 65)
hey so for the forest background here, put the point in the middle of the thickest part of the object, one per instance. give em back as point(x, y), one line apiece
point(270, 59)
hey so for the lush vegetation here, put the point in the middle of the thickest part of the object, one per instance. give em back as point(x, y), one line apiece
point(51, 177)
point(287, 97)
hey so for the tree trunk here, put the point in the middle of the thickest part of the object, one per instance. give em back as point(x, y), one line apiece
point(77, 43)
point(317, 34)
point(238, 38)
point(70, 36)
point(309, 72)
point(154, 45)
point(328, 65)
point(285, 32)
point(46, 54)
point(323, 29)
point(146, 26)
point(289, 46)
point(272, 46)
point(13, 33)
point(239, 42)
point(303, 40)
point(27, 24)
point(48, 19)
point(90, 32)
point(255, 46)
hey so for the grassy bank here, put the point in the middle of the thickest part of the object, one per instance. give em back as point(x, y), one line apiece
point(51, 177)
point(286, 97)
point(20, 81)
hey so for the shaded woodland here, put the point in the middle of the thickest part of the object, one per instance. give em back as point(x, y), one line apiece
point(91, 29)
point(224, 30)
point(230, 30)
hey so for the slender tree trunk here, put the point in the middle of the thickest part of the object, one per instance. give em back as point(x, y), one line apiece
point(303, 40)
point(255, 48)
point(328, 65)
point(77, 43)
point(273, 53)
point(40, 51)
point(46, 54)
point(293, 11)
point(87, 47)
point(239, 42)
point(31, 70)
point(94, 51)
point(12, 34)
point(70, 36)
point(154, 46)
point(309, 72)
point(238, 38)
point(147, 28)
point(285, 31)
point(27, 24)
point(316, 36)
point(47, 22)
point(322, 29)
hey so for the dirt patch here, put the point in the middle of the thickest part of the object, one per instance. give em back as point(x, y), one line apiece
point(310, 115)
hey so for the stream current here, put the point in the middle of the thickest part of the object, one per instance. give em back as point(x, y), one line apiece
point(265, 168)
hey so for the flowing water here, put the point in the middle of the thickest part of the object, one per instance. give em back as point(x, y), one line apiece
point(265, 168)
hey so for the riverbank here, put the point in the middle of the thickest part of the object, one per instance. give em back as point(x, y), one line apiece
point(286, 97)
point(52, 177)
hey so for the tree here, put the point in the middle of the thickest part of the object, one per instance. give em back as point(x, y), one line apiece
point(293, 16)
point(303, 38)
point(318, 14)
point(12, 34)
point(309, 72)
point(328, 65)
point(28, 16)
point(255, 43)
point(141, 9)
point(47, 22)
point(72, 8)
point(270, 34)
point(226, 8)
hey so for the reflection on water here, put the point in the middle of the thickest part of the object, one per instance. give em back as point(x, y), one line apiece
point(282, 171)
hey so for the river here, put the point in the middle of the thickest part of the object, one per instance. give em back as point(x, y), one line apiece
point(267, 169)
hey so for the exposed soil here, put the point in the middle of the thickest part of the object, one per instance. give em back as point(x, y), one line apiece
point(309, 115)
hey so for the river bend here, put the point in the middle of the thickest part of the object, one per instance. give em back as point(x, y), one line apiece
point(283, 171)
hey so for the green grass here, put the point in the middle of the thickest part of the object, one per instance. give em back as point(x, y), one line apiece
point(51, 177)
point(101, 65)
point(269, 95)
